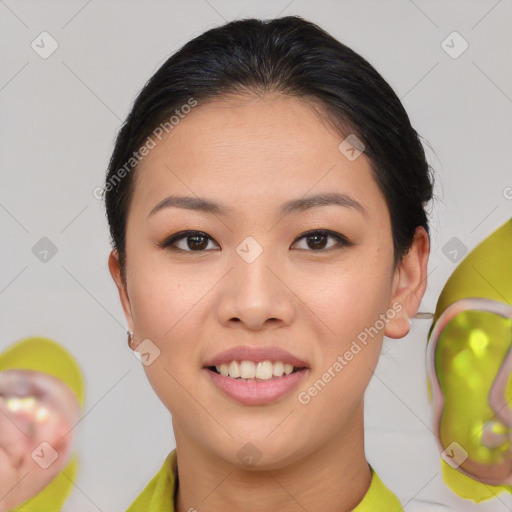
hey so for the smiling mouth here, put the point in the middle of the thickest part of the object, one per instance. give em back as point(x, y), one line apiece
point(248, 371)
point(251, 384)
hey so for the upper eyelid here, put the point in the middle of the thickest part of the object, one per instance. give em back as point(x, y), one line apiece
point(341, 239)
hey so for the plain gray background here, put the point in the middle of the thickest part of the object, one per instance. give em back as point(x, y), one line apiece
point(60, 115)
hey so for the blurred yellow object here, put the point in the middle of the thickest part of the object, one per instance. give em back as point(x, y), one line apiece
point(469, 363)
point(47, 356)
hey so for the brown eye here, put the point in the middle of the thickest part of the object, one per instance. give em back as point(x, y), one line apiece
point(193, 241)
point(316, 240)
point(197, 241)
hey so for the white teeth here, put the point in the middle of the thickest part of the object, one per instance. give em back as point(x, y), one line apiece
point(247, 370)
point(278, 369)
point(264, 370)
point(234, 369)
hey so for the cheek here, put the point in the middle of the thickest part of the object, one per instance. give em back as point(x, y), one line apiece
point(167, 309)
point(350, 303)
point(163, 301)
point(348, 298)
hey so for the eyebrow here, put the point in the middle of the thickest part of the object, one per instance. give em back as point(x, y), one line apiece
point(292, 206)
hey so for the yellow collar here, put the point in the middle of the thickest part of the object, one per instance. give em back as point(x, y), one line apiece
point(159, 494)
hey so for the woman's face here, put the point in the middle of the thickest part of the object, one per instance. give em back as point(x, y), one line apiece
point(251, 278)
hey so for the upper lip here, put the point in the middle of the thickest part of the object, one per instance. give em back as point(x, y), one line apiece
point(256, 354)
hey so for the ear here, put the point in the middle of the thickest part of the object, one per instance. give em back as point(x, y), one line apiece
point(115, 272)
point(409, 284)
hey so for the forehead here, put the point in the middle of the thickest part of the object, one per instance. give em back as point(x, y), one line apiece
point(254, 150)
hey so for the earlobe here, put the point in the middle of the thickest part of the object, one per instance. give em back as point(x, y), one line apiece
point(409, 284)
point(115, 272)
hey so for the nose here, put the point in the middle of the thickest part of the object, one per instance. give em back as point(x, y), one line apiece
point(256, 293)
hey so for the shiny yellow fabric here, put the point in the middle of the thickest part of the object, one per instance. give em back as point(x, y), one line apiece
point(47, 356)
point(160, 494)
point(485, 272)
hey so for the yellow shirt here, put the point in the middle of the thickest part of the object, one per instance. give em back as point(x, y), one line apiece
point(160, 494)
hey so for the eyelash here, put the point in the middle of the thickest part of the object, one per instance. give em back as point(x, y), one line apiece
point(341, 240)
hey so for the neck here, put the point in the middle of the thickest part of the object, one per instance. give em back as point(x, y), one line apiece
point(333, 477)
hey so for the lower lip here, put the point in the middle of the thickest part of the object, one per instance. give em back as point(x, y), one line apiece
point(257, 393)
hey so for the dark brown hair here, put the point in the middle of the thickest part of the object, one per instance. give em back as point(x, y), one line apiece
point(290, 56)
